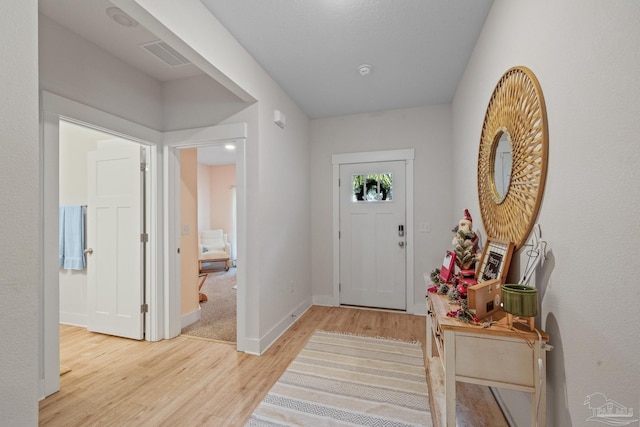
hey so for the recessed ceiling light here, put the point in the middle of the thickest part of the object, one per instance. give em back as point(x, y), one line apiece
point(230, 146)
point(118, 16)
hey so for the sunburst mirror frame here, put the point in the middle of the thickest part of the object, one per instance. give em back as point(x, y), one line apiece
point(516, 108)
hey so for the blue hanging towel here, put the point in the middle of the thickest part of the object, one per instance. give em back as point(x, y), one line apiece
point(71, 245)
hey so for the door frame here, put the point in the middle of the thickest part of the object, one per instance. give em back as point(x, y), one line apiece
point(173, 143)
point(53, 108)
point(337, 160)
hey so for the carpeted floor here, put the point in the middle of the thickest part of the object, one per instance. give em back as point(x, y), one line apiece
point(340, 379)
point(218, 314)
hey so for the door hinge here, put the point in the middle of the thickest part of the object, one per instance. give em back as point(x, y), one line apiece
point(144, 308)
point(338, 182)
point(339, 234)
point(143, 167)
point(144, 237)
point(339, 287)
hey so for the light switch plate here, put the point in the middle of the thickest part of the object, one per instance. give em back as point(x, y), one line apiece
point(425, 227)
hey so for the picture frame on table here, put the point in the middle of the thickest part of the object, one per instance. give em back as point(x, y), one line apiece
point(495, 260)
point(491, 273)
point(448, 266)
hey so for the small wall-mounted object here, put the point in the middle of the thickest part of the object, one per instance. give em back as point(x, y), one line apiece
point(279, 118)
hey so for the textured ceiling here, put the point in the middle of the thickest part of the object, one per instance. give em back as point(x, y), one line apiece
point(418, 48)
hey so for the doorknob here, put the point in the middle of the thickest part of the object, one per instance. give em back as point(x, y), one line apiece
point(401, 244)
point(88, 251)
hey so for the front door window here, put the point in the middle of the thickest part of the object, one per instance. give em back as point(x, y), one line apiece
point(376, 187)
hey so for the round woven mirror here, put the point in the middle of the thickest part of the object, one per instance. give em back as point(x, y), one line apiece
point(516, 116)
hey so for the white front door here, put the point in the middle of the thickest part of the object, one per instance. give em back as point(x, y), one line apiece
point(114, 227)
point(372, 240)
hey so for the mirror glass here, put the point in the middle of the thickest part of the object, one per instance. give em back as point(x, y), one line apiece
point(502, 164)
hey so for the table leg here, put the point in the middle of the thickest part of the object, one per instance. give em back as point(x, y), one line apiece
point(202, 297)
point(450, 379)
point(429, 334)
point(539, 411)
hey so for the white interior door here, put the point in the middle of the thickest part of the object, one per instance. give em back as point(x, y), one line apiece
point(114, 229)
point(372, 241)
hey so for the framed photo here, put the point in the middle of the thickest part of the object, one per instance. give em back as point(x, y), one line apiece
point(495, 260)
point(448, 264)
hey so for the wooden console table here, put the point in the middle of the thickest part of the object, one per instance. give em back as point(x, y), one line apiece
point(497, 356)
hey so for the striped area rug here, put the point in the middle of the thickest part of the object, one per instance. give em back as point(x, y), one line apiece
point(347, 380)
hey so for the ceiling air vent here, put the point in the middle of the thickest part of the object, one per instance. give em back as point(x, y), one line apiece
point(165, 53)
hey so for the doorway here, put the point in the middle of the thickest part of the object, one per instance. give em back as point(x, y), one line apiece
point(101, 178)
point(217, 240)
point(54, 109)
point(372, 235)
point(163, 320)
point(235, 133)
point(397, 242)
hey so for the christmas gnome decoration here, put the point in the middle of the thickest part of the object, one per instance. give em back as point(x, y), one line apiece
point(465, 243)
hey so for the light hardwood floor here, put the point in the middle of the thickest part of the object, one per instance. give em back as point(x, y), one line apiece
point(192, 382)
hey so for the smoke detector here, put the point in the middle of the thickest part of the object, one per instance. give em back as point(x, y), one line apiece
point(118, 16)
point(365, 69)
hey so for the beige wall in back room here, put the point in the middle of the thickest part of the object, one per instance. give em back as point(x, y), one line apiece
point(204, 196)
point(222, 183)
point(189, 230)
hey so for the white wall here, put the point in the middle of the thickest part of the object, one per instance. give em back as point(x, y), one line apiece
point(428, 131)
point(204, 198)
point(77, 69)
point(585, 55)
point(285, 227)
point(20, 241)
point(74, 68)
point(75, 143)
point(196, 102)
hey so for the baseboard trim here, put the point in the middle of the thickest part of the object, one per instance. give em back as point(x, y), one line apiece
point(190, 318)
point(279, 329)
point(324, 300)
point(73, 319)
point(420, 309)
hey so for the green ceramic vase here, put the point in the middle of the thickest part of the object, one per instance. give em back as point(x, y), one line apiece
point(520, 300)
